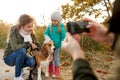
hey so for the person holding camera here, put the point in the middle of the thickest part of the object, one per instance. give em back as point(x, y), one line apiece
point(21, 37)
point(98, 32)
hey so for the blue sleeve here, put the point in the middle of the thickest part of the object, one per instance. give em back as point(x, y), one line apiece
point(47, 31)
point(63, 32)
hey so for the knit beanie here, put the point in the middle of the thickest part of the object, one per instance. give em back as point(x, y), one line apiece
point(56, 16)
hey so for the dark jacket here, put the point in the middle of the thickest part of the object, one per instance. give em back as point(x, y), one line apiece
point(16, 41)
point(82, 70)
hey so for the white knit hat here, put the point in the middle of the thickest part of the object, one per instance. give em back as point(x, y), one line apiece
point(56, 16)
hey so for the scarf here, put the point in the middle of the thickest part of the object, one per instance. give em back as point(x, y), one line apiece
point(25, 35)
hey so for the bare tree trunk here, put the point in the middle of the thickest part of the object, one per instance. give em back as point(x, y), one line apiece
point(107, 8)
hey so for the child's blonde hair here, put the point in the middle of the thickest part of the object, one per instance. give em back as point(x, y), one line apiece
point(59, 29)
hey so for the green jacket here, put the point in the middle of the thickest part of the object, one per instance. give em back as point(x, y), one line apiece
point(82, 70)
point(54, 35)
point(16, 41)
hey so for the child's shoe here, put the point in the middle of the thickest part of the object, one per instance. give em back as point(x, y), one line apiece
point(51, 69)
point(18, 78)
point(57, 72)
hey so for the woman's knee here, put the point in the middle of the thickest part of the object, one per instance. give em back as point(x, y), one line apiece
point(22, 51)
point(31, 62)
point(8, 62)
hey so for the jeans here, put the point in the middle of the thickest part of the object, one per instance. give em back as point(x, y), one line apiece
point(56, 57)
point(20, 60)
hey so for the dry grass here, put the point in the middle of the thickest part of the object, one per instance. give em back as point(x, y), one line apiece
point(4, 30)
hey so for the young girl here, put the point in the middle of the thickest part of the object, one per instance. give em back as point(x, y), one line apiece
point(20, 38)
point(55, 32)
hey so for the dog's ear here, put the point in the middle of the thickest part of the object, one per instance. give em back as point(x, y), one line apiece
point(44, 46)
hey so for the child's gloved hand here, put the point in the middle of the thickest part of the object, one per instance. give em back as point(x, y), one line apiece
point(47, 39)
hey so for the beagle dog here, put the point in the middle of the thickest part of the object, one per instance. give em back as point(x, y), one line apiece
point(43, 58)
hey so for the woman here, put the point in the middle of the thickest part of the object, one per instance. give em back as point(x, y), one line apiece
point(21, 37)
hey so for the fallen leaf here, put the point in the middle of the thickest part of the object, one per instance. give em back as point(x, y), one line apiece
point(7, 70)
point(99, 70)
point(89, 58)
point(109, 59)
point(65, 63)
point(6, 79)
point(104, 72)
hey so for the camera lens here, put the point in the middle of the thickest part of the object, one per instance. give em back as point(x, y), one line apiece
point(71, 27)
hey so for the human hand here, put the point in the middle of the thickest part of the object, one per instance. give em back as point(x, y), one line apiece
point(72, 47)
point(76, 36)
point(47, 39)
point(33, 46)
point(97, 31)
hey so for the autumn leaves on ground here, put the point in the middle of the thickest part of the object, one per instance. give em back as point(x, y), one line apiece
point(100, 62)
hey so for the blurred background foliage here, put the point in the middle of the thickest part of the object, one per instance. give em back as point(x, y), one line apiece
point(74, 10)
point(77, 9)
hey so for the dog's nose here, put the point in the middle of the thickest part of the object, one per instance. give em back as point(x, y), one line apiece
point(54, 49)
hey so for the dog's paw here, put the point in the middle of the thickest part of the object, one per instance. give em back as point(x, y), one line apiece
point(39, 79)
point(46, 74)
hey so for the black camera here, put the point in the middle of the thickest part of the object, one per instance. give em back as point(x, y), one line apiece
point(77, 27)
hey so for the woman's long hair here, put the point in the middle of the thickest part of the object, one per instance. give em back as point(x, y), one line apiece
point(23, 20)
point(59, 29)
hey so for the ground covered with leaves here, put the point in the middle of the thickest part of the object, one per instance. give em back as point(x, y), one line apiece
point(100, 62)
